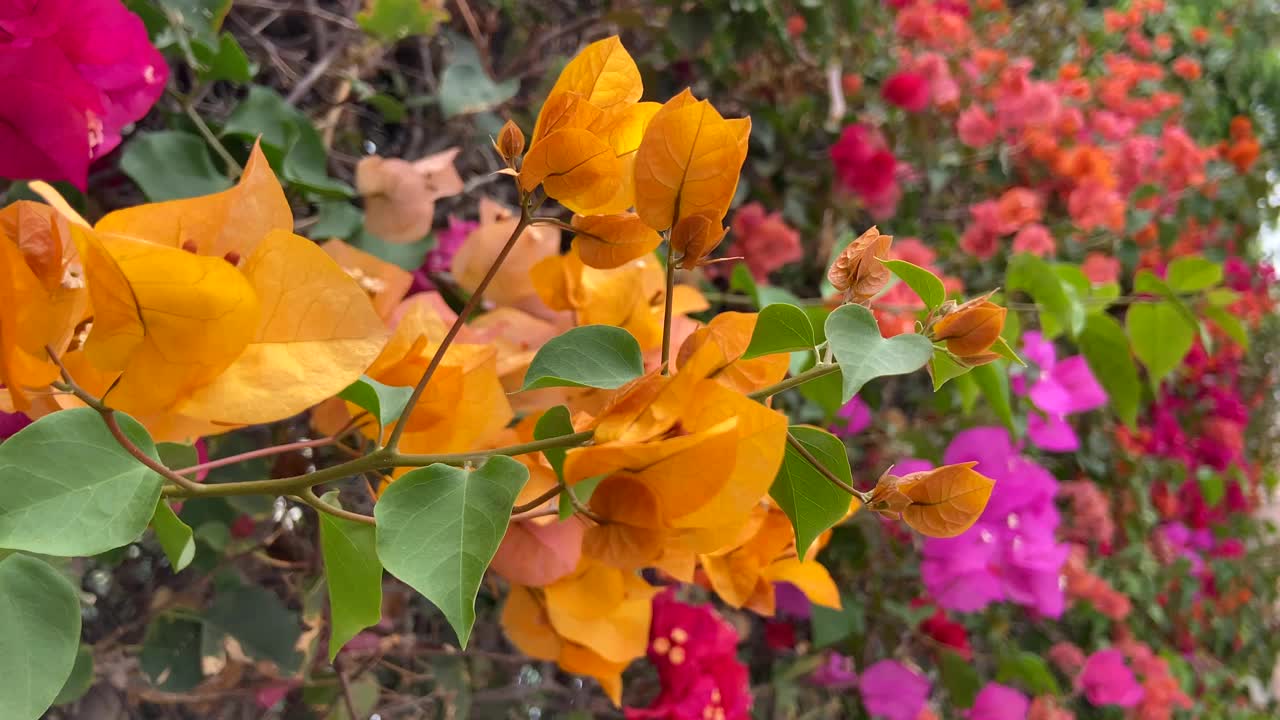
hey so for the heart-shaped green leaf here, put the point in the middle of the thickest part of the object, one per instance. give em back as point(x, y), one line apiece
point(1159, 336)
point(810, 500)
point(439, 526)
point(67, 488)
point(1193, 273)
point(353, 575)
point(865, 355)
point(780, 328)
point(925, 284)
point(598, 356)
point(40, 614)
point(1106, 350)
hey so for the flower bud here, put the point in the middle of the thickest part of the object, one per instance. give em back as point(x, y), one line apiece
point(858, 272)
point(971, 329)
point(693, 238)
point(510, 143)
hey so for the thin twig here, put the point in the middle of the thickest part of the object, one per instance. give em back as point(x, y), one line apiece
point(188, 107)
point(536, 502)
point(345, 684)
point(812, 373)
point(666, 313)
point(308, 496)
point(473, 302)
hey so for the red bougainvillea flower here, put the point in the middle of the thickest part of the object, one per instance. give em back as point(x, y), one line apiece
point(865, 167)
point(695, 653)
point(908, 90)
point(73, 74)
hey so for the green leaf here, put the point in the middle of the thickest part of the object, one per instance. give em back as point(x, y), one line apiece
point(1028, 670)
point(227, 61)
point(192, 22)
point(824, 392)
point(177, 455)
point(1147, 282)
point(1192, 273)
point(993, 380)
point(925, 284)
point(1229, 324)
point(409, 256)
point(393, 20)
point(81, 678)
point(780, 328)
point(767, 295)
point(171, 653)
point(260, 623)
point(864, 354)
point(364, 696)
point(384, 402)
point(439, 526)
point(353, 574)
point(1058, 298)
point(943, 369)
point(67, 488)
point(1159, 336)
point(1106, 350)
point(1212, 487)
point(831, 626)
point(40, 614)
point(289, 139)
point(811, 501)
point(171, 165)
point(598, 356)
point(175, 536)
point(554, 423)
point(959, 678)
point(465, 87)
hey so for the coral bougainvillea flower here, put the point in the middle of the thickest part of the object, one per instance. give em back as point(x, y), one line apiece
point(400, 196)
point(763, 240)
point(1011, 553)
point(74, 74)
point(592, 622)
point(1062, 387)
point(211, 309)
point(1107, 680)
point(892, 691)
point(695, 653)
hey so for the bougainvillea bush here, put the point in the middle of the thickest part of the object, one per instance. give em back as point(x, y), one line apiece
point(651, 360)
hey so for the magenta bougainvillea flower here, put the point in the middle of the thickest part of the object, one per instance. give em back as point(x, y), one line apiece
point(11, 423)
point(999, 702)
point(73, 74)
point(836, 672)
point(1061, 388)
point(892, 691)
point(852, 418)
point(695, 653)
point(1011, 553)
point(440, 258)
point(1107, 680)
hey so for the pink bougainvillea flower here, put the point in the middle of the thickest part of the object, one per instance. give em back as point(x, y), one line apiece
point(866, 167)
point(695, 653)
point(1100, 268)
point(11, 423)
point(892, 691)
point(999, 702)
point(1063, 387)
point(1107, 680)
point(908, 90)
point(1035, 239)
point(1011, 553)
point(836, 672)
point(73, 76)
point(975, 127)
point(764, 240)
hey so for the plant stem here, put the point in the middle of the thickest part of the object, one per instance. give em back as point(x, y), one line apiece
point(812, 373)
point(473, 302)
point(308, 496)
point(572, 440)
point(536, 502)
point(666, 314)
point(113, 425)
point(567, 227)
point(259, 453)
point(233, 167)
point(817, 465)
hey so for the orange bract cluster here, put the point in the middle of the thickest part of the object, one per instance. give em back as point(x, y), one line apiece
point(194, 316)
